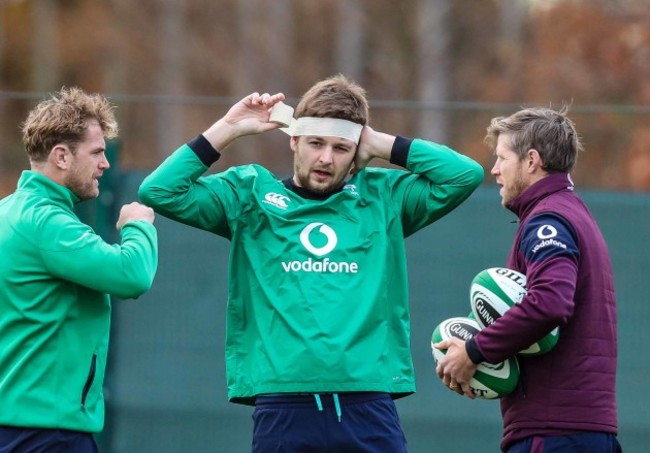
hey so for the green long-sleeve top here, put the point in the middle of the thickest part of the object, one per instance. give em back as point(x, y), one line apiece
point(56, 275)
point(318, 288)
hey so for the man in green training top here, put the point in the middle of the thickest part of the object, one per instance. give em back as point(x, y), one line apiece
point(56, 275)
point(318, 311)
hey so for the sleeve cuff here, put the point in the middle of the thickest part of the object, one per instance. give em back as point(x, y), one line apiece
point(400, 152)
point(473, 352)
point(204, 150)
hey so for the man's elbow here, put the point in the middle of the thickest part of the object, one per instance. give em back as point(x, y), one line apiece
point(136, 286)
point(145, 194)
point(477, 175)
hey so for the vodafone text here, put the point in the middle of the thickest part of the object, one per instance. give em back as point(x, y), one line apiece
point(549, 242)
point(324, 266)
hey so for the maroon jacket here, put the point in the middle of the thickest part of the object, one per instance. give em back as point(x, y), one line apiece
point(560, 249)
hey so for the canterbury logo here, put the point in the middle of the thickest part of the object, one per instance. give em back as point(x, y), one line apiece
point(276, 199)
point(325, 230)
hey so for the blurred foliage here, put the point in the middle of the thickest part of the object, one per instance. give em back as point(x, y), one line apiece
point(174, 66)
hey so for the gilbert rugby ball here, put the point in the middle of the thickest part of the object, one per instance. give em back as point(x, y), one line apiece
point(490, 380)
point(493, 291)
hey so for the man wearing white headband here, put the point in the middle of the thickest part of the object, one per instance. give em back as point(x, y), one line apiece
point(318, 312)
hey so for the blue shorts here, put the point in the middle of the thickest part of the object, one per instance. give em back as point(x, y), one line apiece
point(588, 442)
point(37, 440)
point(313, 423)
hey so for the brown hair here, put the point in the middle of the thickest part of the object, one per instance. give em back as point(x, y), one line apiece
point(550, 132)
point(335, 97)
point(64, 119)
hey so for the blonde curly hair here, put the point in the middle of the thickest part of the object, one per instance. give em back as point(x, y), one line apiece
point(64, 119)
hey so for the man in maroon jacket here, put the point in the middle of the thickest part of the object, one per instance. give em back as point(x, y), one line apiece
point(566, 398)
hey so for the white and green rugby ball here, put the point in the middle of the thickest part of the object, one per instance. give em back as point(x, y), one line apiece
point(490, 381)
point(493, 291)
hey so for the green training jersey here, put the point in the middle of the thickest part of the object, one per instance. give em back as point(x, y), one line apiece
point(56, 275)
point(318, 289)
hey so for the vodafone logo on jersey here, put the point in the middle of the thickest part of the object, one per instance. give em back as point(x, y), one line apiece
point(546, 232)
point(326, 231)
point(319, 239)
point(547, 235)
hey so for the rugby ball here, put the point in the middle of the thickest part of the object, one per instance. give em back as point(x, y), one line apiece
point(490, 381)
point(493, 291)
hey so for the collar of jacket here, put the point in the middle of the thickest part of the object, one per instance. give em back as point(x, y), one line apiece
point(36, 182)
point(554, 182)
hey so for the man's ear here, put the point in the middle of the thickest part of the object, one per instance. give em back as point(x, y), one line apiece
point(60, 156)
point(533, 160)
point(293, 143)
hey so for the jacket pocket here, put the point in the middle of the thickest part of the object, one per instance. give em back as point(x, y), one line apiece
point(89, 380)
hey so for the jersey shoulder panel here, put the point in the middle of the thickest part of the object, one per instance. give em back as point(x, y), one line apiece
point(548, 235)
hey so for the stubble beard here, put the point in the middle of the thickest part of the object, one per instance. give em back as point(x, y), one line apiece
point(305, 181)
point(518, 186)
point(84, 190)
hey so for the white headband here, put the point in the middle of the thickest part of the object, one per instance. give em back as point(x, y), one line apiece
point(326, 127)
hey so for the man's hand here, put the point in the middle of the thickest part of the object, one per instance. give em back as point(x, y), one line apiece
point(134, 211)
point(372, 144)
point(247, 117)
point(455, 368)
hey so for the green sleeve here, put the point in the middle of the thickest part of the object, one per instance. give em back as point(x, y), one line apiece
point(177, 191)
point(440, 179)
point(72, 251)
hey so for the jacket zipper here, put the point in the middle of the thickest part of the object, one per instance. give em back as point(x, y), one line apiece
point(89, 380)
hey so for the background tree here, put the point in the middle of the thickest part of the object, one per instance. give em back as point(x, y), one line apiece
point(439, 69)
